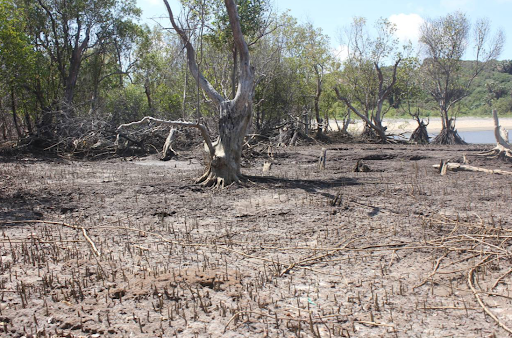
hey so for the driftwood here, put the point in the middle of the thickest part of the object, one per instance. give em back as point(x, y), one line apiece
point(167, 151)
point(266, 166)
point(323, 159)
point(360, 167)
point(503, 149)
point(444, 166)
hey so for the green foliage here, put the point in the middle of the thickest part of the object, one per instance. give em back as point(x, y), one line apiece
point(359, 80)
point(125, 71)
point(505, 66)
point(126, 104)
point(16, 54)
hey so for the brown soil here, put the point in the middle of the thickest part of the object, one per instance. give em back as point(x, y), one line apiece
point(295, 252)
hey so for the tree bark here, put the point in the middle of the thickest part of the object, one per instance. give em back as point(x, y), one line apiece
point(233, 72)
point(420, 134)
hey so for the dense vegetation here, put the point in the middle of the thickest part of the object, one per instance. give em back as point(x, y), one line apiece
point(70, 67)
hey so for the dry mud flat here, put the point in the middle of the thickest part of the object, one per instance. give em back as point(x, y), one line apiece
point(134, 249)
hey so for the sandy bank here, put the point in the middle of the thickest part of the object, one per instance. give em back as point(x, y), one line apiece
point(435, 125)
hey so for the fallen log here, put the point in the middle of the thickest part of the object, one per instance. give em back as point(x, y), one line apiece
point(464, 167)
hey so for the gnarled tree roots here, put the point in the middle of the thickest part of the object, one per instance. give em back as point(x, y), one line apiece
point(420, 135)
point(214, 180)
point(498, 152)
point(220, 173)
point(448, 136)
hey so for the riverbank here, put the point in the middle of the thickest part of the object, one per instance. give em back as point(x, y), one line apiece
point(471, 129)
point(462, 124)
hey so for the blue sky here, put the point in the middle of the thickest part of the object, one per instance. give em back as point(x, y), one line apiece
point(334, 15)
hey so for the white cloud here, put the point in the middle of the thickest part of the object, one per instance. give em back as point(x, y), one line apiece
point(407, 25)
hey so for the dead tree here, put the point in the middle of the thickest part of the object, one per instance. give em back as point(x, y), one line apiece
point(420, 134)
point(503, 149)
point(225, 153)
point(373, 124)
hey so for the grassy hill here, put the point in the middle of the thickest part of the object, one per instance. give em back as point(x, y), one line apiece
point(491, 89)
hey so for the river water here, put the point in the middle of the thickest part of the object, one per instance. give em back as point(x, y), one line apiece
point(478, 137)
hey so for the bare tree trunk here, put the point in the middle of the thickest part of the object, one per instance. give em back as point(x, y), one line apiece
point(70, 85)
point(6, 131)
point(184, 101)
point(15, 114)
point(4, 122)
point(167, 151)
point(28, 123)
point(318, 93)
point(225, 153)
point(147, 91)
point(346, 122)
point(225, 163)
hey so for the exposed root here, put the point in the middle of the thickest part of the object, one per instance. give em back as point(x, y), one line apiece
point(211, 178)
point(498, 152)
point(448, 136)
point(482, 304)
point(420, 135)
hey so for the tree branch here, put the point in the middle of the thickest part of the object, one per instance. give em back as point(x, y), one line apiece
point(245, 82)
point(354, 109)
point(201, 127)
point(191, 56)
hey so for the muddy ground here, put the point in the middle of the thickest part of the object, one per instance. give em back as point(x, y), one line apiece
point(132, 248)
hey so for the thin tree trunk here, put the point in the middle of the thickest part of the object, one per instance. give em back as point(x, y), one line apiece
point(317, 100)
point(184, 101)
point(28, 123)
point(6, 132)
point(147, 91)
point(15, 114)
point(4, 123)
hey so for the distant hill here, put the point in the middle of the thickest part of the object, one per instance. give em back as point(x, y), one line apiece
point(492, 86)
point(491, 89)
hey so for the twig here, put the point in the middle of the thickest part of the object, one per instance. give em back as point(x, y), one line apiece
point(373, 323)
point(438, 262)
point(500, 278)
point(84, 232)
point(484, 307)
point(304, 261)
